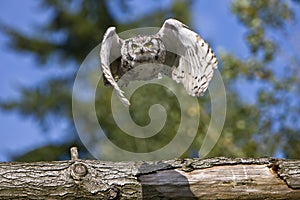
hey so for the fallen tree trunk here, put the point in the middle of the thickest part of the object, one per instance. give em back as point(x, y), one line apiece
point(222, 178)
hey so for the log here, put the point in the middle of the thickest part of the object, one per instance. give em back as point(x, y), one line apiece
point(214, 178)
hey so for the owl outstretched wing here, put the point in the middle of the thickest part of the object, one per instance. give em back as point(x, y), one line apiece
point(110, 51)
point(197, 61)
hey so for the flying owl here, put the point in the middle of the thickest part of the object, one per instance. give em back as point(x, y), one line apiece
point(189, 58)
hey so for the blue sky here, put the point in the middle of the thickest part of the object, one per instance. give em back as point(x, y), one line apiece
point(213, 20)
point(18, 133)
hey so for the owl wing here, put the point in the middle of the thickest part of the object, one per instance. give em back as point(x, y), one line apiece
point(197, 61)
point(110, 51)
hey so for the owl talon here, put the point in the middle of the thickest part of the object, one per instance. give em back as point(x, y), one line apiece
point(159, 76)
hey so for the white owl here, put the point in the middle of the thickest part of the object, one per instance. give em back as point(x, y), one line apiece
point(190, 59)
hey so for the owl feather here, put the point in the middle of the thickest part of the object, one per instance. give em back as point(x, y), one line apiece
point(191, 60)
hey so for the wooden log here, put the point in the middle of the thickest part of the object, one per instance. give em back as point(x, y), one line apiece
point(215, 178)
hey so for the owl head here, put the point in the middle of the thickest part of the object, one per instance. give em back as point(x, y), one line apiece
point(143, 49)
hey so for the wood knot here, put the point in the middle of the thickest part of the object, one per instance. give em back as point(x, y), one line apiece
point(187, 165)
point(78, 171)
point(113, 193)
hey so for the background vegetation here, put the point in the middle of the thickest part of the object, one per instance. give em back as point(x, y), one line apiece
point(267, 126)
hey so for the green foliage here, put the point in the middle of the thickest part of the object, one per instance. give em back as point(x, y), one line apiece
point(260, 129)
point(44, 153)
point(259, 16)
point(139, 113)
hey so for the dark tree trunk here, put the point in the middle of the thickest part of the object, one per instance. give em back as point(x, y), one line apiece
point(215, 178)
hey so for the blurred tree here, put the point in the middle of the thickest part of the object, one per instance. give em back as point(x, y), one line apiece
point(269, 126)
point(273, 64)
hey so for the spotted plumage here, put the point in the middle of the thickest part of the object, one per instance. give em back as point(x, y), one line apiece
point(190, 59)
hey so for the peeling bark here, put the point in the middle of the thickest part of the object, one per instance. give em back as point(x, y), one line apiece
point(221, 178)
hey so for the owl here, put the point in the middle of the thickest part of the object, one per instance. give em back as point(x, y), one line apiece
point(189, 59)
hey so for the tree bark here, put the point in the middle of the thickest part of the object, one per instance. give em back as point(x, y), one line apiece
point(215, 178)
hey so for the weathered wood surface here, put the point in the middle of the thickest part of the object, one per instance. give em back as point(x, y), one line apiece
point(216, 178)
